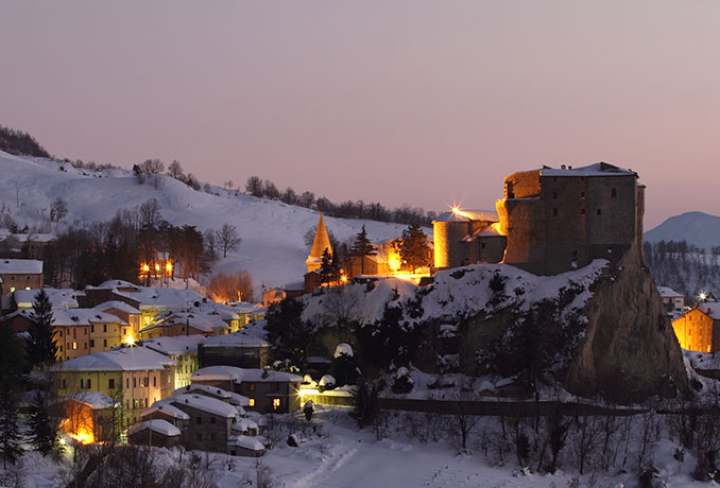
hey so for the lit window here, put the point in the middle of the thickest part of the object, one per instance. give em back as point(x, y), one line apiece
point(276, 404)
point(74, 346)
point(251, 403)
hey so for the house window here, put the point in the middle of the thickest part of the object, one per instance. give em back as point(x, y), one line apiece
point(198, 420)
point(134, 382)
point(613, 193)
point(92, 329)
point(154, 380)
point(104, 342)
point(599, 211)
point(74, 346)
point(276, 404)
point(582, 194)
point(82, 383)
point(89, 384)
point(212, 420)
point(251, 403)
point(555, 212)
point(92, 342)
point(582, 211)
point(64, 383)
point(111, 383)
point(212, 436)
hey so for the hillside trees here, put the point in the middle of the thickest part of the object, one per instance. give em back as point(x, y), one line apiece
point(362, 248)
point(12, 368)
point(289, 335)
point(414, 247)
point(58, 210)
point(21, 143)
point(230, 287)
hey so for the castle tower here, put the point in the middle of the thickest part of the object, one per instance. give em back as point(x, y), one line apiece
point(320, 243)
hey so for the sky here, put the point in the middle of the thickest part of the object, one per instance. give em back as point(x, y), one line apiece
point(413, 102)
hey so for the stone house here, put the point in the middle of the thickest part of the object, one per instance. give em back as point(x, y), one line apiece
point(87, 416)
point(155, 433)
point(211, 422)
point(240, 349)
point(181, 349)
point(699, 328)
point(18, 274)
point(267, 391)
point(673, 301)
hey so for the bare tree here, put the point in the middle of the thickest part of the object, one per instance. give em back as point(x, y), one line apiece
point(175, 169)
point(230, 287)
point(150, 212)
point(228, 238)
point(254, 186)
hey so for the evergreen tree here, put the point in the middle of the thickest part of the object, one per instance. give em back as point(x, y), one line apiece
point(362, 247)
point(414, 249)
point(12, 361)
point(328, 272)
point(290, 336)
point(43, 434)
point(41, 348)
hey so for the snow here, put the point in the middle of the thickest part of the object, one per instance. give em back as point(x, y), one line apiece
point(239, 375)
point(711, 309)
point(117, 305)
point(175, 345)
point(273, 249)
point(238, 339)
point(156, 425)
point(667, 292)
point(197, 320)
point(60, 298)
point(247, 442)
point(206, 404)
point(327, 380)
point(125, 359)
point(20, 266)
point(83, 316)
point(166, 407)
point(595, 169)
point(343, 349)
point(697, 228)
point(231, 397)
point(96, 400)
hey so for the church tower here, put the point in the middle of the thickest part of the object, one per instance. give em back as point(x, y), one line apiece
point(320, 243)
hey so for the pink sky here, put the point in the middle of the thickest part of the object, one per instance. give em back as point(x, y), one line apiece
point(402, 101)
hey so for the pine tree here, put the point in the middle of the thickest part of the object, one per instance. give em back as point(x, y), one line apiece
point(43, 435)
point(362, 247)
point(328, 273)
point(41, 348)
point(10, 448)
point(414, 249)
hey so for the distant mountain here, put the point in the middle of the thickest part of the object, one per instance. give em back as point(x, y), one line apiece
point(697, 228)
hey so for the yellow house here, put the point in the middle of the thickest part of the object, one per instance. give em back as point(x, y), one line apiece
point(130, 331)
point(134, 377)
point(105, 330)
point(699, 329)
point(181, 349)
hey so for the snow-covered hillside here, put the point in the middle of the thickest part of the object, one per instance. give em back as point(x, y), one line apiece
point(273, 248)
point(697, 228)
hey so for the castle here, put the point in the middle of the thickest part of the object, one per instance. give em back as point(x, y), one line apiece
point(549, 221)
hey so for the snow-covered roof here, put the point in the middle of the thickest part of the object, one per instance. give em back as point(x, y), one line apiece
point(167, 408)
point(246, 307)
point(225, 395)
point(197, 320)
point(712, 309)
point(59, 297)
point(171, 298)
point(246, 442)
point(175, 345)
point(94, 399)
point(343, 349)
point(238, 339)
point(124, 359)
point(667, 292)
point(463, 215)
point(206, 404)
point(117, 305)
point(22, 238)
point(21, 266)
point(492, 230)
point(113, 284)
point(245, 424)
point(160, 426)
point(240, 375)
point(83, 316)
point(597, 169)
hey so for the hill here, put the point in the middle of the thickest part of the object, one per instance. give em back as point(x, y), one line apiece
point(697, 228)
point(273, 249)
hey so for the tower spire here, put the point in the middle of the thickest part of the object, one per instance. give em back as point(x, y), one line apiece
point(320, 243)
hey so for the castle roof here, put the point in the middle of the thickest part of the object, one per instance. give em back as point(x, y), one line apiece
point(321, 241)
point(463, 215)
point(597, 169)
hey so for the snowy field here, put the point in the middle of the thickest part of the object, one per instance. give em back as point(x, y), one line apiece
point(273, 248)
point(338, 455)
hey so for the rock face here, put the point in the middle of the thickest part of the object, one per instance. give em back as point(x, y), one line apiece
point(630, 352)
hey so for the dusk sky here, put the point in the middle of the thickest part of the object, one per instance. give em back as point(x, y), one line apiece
point(417, 102)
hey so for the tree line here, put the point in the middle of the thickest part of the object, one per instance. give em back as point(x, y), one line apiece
point(20, 143)
point(348, 209)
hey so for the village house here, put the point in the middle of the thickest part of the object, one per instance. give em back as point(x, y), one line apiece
point(185, 323)
point(699, 328)
point(17, 274)
point(130, 316)
point(28, 246)
point(105, 331)
point(674, 302)
point(154, 433)
point(549, 221)
point(239, 349)
point(87, 416)
point(267, 391)
point(181, 349)
point(135, 377)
